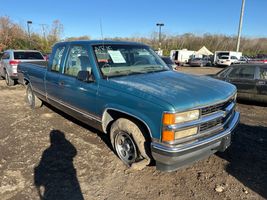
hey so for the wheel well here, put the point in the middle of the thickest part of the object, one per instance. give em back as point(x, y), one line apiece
point(112, 115)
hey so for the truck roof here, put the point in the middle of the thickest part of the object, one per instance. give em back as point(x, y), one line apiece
point(21, 50)
point(101, 42)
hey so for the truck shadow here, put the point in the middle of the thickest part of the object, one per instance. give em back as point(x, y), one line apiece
point(55, 176)
point(247, 157)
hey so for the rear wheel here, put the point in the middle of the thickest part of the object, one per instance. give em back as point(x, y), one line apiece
point(9, 81)
point(129, 142)
point(31, 99)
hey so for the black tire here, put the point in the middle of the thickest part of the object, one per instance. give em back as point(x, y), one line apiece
point(9, 81)
point(33, 101)
point(129, 142)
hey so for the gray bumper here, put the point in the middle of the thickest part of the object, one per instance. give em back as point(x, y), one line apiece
point(171, 158)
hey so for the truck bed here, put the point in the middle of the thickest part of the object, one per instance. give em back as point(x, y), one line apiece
point(37, 69)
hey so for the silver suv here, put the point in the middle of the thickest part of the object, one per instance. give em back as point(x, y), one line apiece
point(11, 59)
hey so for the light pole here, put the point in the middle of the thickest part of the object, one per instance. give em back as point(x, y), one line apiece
point(29, 33)
point(240, 25)
point(160, 25)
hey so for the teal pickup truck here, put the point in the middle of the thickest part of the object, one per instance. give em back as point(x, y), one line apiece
point(125, 90)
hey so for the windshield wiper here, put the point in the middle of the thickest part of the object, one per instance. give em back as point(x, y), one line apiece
point(154, 69)
point(124, 73)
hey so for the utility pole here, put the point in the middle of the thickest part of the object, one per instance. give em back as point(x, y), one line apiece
point(29, 33)
point(240, 25)
point(160, 25)
point(43, 29)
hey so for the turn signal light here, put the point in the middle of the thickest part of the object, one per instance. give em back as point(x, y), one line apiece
point(167, 136)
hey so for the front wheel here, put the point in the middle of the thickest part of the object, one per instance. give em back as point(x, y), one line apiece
point(129, 142)
point(31, 99)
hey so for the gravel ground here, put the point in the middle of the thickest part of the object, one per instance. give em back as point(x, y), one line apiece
point(46, 151)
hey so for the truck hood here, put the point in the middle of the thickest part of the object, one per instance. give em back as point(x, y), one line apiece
point(182, 91)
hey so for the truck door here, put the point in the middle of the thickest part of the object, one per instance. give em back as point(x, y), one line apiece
point(77, 95)
point(261, 85)
point(52, 84)
point(243, 77)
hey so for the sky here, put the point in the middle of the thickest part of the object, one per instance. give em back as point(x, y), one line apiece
point(127, 18)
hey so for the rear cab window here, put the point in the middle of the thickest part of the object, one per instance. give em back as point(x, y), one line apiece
point(57, 58)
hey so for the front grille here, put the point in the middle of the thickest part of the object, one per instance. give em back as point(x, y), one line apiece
point(210, 124)
point(215, 108)
point(212, 109)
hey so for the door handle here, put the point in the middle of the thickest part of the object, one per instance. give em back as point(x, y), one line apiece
point(261, 83)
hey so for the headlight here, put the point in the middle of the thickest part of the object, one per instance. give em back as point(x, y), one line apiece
point(168, 136)
point(171, 118)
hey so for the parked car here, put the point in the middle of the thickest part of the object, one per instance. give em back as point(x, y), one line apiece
point(227, 60)
point(169, 62)
point(258, 60)
point(242, 60)
point(200, 62)
point(250, 80)
point(219, 54)
point(11, 59)
point(125, 90)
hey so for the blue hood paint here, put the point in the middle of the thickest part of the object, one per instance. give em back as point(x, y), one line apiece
point(182, 91)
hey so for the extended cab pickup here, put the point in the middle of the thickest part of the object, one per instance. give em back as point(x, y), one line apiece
point(125, 90)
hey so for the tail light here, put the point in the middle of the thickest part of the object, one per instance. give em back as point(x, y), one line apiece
point(264, 61)
point(14, 62)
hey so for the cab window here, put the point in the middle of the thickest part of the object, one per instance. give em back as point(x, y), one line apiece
point(57, 59)
point(242, 72)
point(78, 60)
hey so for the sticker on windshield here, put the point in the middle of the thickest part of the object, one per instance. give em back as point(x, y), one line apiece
point(116, 56)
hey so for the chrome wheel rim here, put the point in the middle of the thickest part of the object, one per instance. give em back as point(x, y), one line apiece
point(125, 148)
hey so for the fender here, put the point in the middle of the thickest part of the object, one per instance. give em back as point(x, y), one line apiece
point(106, 118)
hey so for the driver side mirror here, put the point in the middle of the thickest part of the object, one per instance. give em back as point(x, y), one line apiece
point(85, 76)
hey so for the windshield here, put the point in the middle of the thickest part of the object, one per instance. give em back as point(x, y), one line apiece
point(28, 55)
point(121, 60)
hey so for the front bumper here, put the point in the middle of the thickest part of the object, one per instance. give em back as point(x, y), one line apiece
point(171, 158)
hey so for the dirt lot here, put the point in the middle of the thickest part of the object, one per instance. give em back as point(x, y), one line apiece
point(81, 165)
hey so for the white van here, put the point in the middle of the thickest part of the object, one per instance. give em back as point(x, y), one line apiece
point(226, 57)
